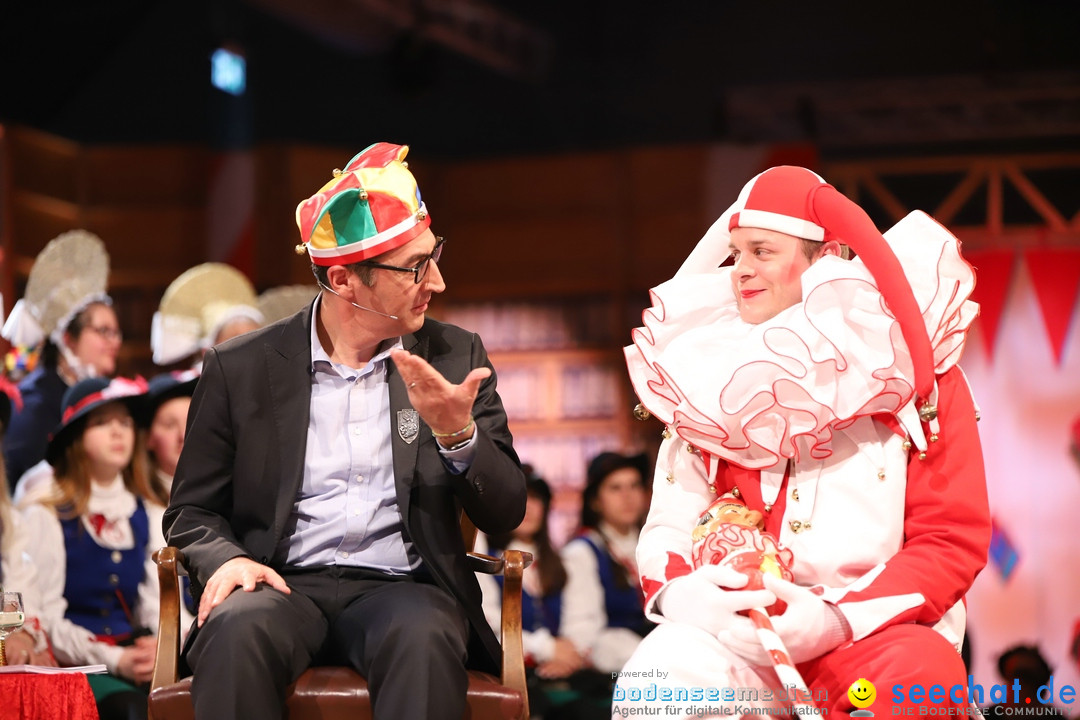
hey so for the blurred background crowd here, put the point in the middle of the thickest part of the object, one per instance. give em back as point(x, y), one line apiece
point(572, 153)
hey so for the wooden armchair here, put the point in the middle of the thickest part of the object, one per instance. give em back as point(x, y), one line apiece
point(328, 693)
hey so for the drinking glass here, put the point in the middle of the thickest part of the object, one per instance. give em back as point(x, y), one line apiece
point(11, 618)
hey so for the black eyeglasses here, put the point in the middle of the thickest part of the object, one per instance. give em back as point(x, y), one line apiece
point(419, 270)
point(105, 332)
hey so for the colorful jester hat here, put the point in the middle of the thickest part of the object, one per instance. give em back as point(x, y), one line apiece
point(369, 208)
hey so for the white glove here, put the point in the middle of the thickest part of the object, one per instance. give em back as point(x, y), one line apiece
point(808, 627)
point(710, 598)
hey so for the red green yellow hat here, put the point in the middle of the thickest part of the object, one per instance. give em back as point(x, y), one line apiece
point(369, 208)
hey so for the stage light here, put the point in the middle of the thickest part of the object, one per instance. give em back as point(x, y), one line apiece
point(228, 71)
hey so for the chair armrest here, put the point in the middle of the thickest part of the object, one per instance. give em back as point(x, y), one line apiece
point(168, 635)
point(485, 564)
point(513, 662)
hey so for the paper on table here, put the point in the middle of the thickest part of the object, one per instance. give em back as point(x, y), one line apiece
point(46, 670)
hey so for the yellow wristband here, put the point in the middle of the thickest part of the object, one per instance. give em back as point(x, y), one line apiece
point(459, 433)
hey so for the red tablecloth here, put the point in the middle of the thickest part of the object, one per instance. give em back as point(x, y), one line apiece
point(30, 696)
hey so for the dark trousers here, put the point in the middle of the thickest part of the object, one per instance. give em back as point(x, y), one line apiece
point(408, 638)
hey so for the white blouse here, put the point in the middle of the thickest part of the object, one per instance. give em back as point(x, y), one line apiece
point(20, 575)
point(584, 617)
point(73, 644)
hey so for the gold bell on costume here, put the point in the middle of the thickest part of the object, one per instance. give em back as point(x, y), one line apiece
point(197, 306)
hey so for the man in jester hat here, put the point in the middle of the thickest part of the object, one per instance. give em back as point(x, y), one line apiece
point(825, 394)
point(327, 459)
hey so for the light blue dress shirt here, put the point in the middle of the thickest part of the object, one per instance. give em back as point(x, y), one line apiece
point(346, 512)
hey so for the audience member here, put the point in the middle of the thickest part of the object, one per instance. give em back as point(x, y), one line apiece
point(67, 318)
point(603, 606)
point(548, 655)
point(29, 645)
point(280, 302)
point(206, 305)
point(165, 418)
point(93, 528)
point(168, 398)
point(1024, 670)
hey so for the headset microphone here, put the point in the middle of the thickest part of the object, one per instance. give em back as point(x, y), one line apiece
point(324, 287)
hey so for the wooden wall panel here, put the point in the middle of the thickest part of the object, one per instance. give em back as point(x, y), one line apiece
point(526, 187)
point(36, 219)
point(531, 227)
point(285, 176)
point(667, 211)
point(531, 257)
point(146, 175)
point(161, 241)
point(44, 164)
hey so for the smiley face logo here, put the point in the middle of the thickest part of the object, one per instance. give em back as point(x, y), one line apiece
point(862, 693)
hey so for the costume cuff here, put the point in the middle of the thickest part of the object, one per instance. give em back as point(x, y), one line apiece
point(837, 629)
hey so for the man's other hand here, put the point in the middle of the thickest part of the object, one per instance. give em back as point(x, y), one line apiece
point(239, 572)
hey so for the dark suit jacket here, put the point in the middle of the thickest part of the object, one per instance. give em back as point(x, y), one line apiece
point(243, 461)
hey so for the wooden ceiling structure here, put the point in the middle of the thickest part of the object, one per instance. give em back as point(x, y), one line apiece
point(1020, 201)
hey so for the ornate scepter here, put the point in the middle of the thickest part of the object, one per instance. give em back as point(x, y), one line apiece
point(730, 534)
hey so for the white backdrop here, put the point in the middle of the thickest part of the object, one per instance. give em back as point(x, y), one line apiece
point(1028, 405)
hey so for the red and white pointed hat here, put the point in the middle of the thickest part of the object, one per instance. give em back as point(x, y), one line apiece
point(798, 202)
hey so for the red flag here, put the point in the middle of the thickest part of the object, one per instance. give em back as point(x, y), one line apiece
point(1055, 273)
point(993, 278)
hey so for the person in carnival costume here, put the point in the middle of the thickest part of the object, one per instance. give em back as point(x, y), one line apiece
point(68, 318)
point(327, 460)
point(825, 394)
point(206, 305)
point(94, 528)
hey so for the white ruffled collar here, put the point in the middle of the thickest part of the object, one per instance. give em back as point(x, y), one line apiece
point(747, 393)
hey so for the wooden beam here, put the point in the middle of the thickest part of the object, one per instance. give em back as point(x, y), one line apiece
point(947, 210)
point(995, 218)
point(1035, 198)
point(884, 196)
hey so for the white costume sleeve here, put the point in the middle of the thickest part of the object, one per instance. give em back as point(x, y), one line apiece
point(680, 495)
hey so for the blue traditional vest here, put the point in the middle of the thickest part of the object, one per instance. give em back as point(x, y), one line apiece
point(97, 577)
point(623, 605)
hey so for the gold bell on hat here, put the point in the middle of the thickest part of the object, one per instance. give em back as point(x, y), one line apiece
point(641, 412)
point(300, 249)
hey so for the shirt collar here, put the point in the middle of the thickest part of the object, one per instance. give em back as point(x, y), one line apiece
point(321, 362)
